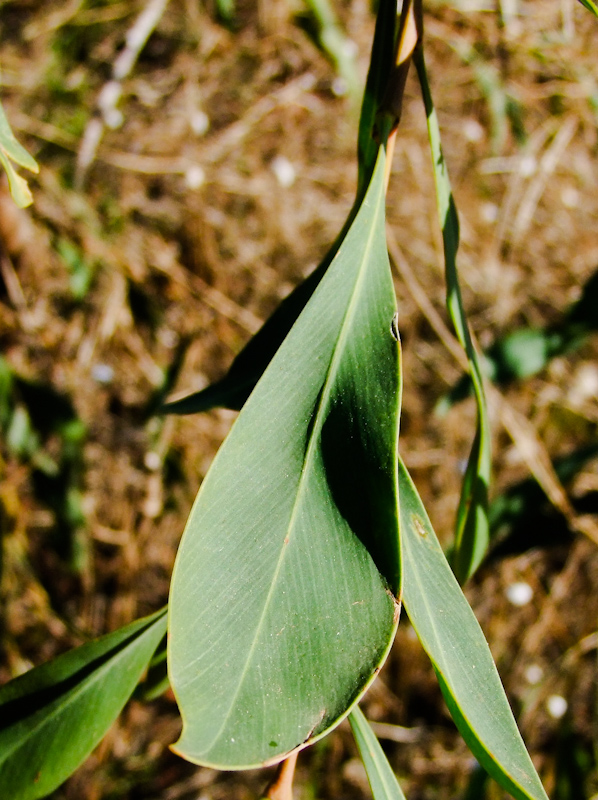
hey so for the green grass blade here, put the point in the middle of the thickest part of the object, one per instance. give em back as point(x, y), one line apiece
point(383, 781)
point(453, 639)
point(472, 531)
point(53, 716)
point(280, 612)
point(591, 6)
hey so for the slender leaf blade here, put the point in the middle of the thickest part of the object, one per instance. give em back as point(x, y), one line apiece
point(53, 716)
point(453, 639)
point(383, 781)
point(472, 529)
point(279, 616)
point(12, 148)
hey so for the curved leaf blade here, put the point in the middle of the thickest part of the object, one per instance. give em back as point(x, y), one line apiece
point(383, 781)
point(279, 616)
point(452, 638)
point(53, 716)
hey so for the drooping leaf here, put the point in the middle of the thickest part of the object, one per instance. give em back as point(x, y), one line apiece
point(282, 608)
point(11, 150)
point(53, 716)
point(453, 639)
point(383, 781)
point(472, 529)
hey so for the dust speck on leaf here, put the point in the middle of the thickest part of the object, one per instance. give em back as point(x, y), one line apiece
point(418, 524)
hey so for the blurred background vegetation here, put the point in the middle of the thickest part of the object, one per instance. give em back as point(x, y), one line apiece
point(196, 160)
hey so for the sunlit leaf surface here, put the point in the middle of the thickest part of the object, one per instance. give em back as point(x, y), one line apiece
point(453, 639)
point(282, 605)
point(53, 716)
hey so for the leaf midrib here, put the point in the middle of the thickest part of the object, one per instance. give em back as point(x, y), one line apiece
point(73, 695)
point(309, 451)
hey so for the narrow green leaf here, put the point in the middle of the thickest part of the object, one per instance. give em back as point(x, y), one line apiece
point(11, 146)
point(453, 639)
point(279, 616)
point(383, 781)
point(591, 6)
point(53, 716)
point(156, 680)
point(472, 530)
point(11, 150)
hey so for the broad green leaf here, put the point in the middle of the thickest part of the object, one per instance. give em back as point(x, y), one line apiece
point(11, 150)
point(472, 529)
point(53, 716)
point(591, 6)
point(453, 639)
point(282, 600)
point(383, 781)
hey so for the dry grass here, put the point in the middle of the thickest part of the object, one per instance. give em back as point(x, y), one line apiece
point(190, 239)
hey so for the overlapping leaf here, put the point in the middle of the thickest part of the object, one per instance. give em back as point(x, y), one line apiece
point(282, 605)
point(53, 716)
point(453, 639)
point(383, 781)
